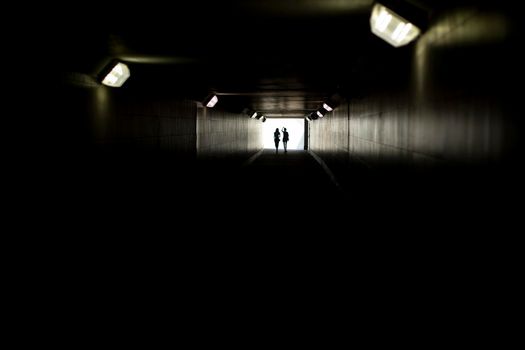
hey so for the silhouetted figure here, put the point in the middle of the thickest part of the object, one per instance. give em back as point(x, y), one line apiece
point(285, 139)
point(276, 139)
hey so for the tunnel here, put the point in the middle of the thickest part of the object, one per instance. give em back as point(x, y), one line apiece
point(147, 191)
point(433, 123)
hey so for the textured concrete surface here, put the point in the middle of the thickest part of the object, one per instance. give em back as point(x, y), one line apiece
point(223, 135)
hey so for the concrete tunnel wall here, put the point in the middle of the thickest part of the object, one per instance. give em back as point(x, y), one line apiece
point(139, 148)
point(223, 135)
point(134, 124)
point(458, 111)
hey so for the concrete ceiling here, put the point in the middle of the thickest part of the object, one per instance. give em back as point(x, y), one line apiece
point(282, 58)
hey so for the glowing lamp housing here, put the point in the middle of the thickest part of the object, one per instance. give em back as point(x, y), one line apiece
point(117, 75)
point(391, 27)
point(211, 101)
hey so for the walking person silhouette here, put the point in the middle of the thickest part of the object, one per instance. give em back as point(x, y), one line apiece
point(285, 139)
point(276, 139)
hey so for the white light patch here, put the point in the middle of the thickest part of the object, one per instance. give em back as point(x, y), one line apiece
point(327, 107)
point(213, 101)
point(295, 128)
point(118, 75)
point(383, 20)
point(391, 27)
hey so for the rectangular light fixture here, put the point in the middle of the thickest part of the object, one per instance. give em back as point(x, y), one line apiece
point(391, 27)
point(117, 76)
point(254, 115)
point(327, 107)
point(320, 114)
point(211, 100)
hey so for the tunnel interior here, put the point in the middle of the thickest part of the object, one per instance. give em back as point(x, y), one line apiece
point(434, 121)
point(138, 207)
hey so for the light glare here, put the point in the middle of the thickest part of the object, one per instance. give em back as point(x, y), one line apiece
point(404, 31)
point(327, 107)
point(213, 101)
point(391, 27)
point(295, 128)
point(118, 75)
point(383, 21)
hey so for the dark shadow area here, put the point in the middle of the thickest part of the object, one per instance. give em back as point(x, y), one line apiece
point(290, 181)
point(452, 200)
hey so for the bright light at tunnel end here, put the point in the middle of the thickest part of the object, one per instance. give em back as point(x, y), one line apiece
point(391, 27)
point(295, 128)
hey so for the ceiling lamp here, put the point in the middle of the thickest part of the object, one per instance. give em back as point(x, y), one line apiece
point(391, 27)
point(314, 116)
point(211, 100)
point(115, 74)
point(328, 107)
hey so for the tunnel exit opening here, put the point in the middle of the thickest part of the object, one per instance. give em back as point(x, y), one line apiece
point(295, 128)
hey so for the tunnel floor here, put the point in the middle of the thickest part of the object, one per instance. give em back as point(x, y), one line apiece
point(270, 183)
point(283, 176)
point(295, 171)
